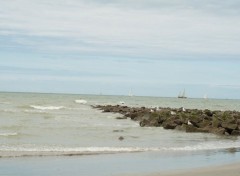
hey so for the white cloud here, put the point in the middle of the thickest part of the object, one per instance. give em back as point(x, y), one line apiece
point(153, 28)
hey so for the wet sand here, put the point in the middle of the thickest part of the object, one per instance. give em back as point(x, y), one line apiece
point(223, 170)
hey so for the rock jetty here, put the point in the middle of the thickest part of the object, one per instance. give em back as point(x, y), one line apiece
point(188, 120)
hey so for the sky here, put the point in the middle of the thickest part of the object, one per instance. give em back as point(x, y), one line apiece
point(148, 47)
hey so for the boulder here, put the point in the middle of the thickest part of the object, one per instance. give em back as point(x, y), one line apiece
point(106, 110)
point(235, 133)
point(219, 131)
point(195, 120)
point(148, 123)
point(193, 129)
point(143, 123)
point(169, 124)
point(133, 115)
point(208, 112)
point(205, 123)
point(115, 131)
point(229, 126)
point(178, 122)
point(227, 133)
point(120, 138)
point(121, 118)
point(238, 122)
point(216, 122)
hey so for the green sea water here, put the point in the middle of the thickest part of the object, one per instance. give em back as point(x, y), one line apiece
point(74, 138)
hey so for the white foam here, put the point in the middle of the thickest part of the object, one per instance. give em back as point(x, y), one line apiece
point(80, 150)
point(33, 150)
point(208, 146)
point(198, 147)
point(46, 107)
point(8, 134)
point(34, 111)
point(81, 101)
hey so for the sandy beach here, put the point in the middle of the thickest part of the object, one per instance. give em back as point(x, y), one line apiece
point(222, 170)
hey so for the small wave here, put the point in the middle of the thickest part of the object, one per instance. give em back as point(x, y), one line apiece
point(8, 110)
point(5, 102)
point(208, 146)
point(81, 101)
point(46, 107)
point(9, 151)
point(34, 111)
point(8, 134)
point(32, 150)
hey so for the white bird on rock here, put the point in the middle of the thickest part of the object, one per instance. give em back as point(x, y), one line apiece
point(189, 123)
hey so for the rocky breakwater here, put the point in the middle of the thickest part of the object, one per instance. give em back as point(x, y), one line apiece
point(189, 120)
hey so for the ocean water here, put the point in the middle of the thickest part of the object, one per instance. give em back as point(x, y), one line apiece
point(61, 134)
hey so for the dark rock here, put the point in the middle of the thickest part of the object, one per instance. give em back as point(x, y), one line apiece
point(106, 110)
point(229, 126)
point(238, 121)
point(149, 122)
point(121, 118)
point(169, 124)
point(193, 129)
point(205, 123)
point(183, 117)
point(235, 133)
point(208, 112)
point(226, 116)
point(195, 120)
point(144, 123)
point(133, 115)
point(217, 122)
point(178, 122)
point(118, 131)
point(232, 150)
point(219, 131)
point(180, 128)
point(226, 133)
point(120, 138)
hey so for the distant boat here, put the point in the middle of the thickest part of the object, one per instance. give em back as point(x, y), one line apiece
point(130, 93)
point(205, 96)
point(182, 94)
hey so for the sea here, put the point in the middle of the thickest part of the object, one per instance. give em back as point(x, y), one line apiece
point(62, 134)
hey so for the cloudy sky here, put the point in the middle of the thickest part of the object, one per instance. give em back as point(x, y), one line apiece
point(151, 47)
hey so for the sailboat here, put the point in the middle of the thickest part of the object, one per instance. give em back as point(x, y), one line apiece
point(130, 93)
point(182, 94)
point(205, 96)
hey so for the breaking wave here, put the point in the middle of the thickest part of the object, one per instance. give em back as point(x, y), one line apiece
point(46, 107)
point(81, 101)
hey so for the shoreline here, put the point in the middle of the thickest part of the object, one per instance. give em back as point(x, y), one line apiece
point(232, 169)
